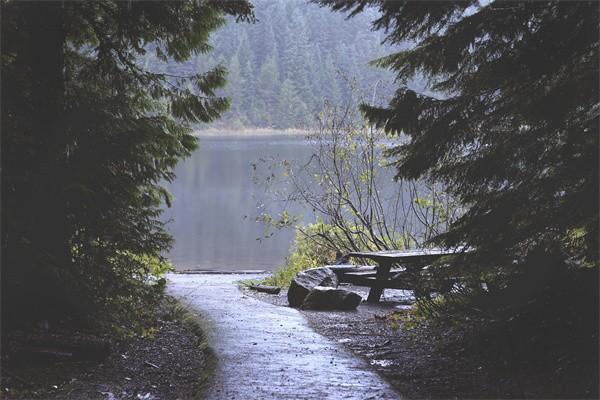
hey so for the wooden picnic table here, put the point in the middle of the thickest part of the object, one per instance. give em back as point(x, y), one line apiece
point(411, 260)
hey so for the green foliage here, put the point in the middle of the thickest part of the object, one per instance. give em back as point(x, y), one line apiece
point(88, 138)
point(511, 128)
point(312, 248)
point(156, 267)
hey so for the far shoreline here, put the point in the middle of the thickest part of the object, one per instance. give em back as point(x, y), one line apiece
point(249, 132)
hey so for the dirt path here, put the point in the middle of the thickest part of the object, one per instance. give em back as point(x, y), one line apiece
point(270, 352)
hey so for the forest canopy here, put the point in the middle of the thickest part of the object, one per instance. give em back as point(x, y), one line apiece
point(514, 137)
point(88, 139)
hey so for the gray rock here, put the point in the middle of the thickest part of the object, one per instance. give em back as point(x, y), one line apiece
point(305, 281)
point(327, 298)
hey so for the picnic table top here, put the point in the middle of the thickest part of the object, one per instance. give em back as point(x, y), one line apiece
point(403, 255)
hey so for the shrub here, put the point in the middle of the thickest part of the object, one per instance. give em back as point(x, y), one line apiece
point(314, 246)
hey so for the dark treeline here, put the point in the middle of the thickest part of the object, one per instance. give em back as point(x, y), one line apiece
point(296, 56)
point(88, 138)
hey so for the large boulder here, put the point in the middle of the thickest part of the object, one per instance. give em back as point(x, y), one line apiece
point(327, 298)
point(305, 281)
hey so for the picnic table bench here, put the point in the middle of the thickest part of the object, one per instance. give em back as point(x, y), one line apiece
point(391, 263)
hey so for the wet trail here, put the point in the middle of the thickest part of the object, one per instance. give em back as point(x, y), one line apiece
point(270, 352)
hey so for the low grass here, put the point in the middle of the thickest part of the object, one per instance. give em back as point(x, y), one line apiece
point(298, 261)
point(309, 251)
point(284, 275)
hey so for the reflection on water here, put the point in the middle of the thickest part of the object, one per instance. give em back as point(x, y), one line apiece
point(213, 216)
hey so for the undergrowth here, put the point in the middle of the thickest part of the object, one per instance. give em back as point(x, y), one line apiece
point(312, 248)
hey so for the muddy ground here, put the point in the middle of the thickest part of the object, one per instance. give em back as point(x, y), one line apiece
point(423, 361)
point(168, 361)
point(420, 361)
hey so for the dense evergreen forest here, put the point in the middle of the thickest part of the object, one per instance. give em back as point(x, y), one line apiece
point(99, 103)
point(286, 65)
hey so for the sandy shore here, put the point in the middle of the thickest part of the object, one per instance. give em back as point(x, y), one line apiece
point(250, 132)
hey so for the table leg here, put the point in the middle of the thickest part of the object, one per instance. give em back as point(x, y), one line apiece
point(383, 274)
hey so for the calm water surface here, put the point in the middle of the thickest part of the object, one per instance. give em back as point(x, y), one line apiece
point(216, 202)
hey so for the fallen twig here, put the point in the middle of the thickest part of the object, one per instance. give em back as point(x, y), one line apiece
point(148, 363)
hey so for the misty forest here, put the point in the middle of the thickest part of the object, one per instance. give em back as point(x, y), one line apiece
point(299, 199)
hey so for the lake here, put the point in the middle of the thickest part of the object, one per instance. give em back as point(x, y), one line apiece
point(219, 194)
point(212, 218)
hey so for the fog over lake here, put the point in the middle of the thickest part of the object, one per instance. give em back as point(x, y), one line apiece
point(216, 202)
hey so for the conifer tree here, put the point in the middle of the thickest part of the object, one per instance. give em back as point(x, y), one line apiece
point(512, 129)
point(88, 137)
